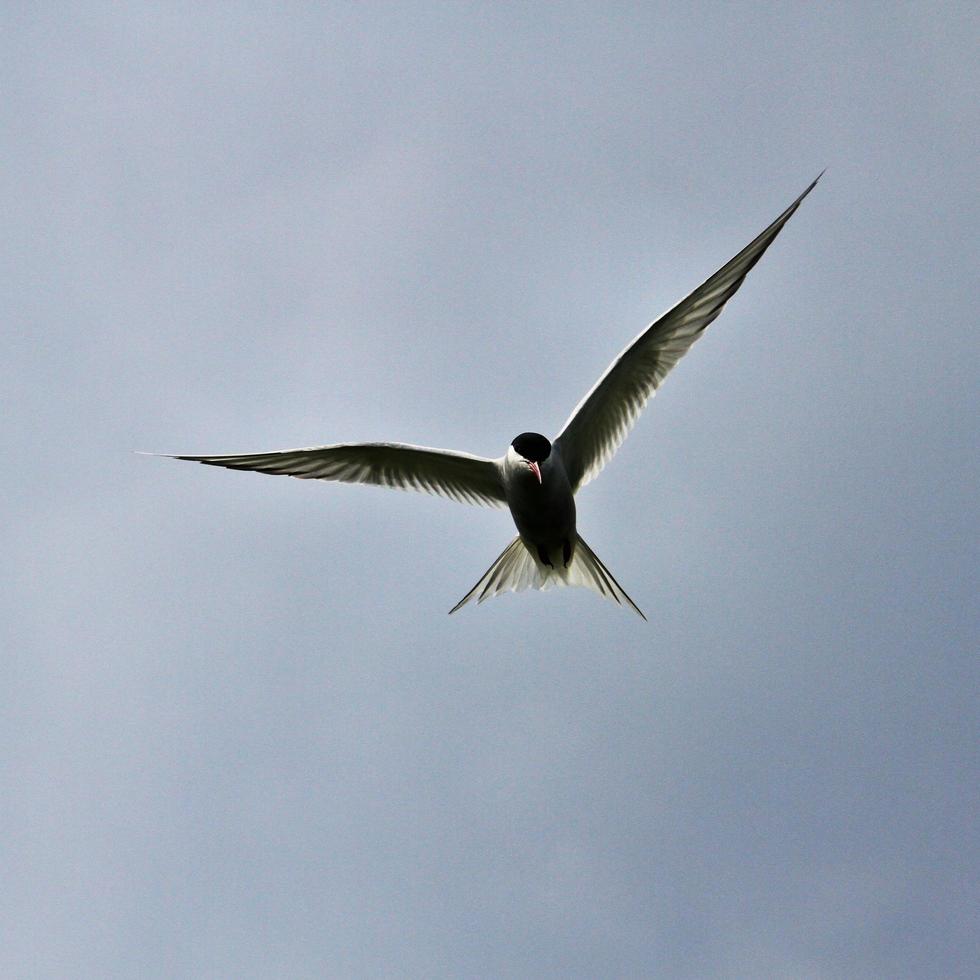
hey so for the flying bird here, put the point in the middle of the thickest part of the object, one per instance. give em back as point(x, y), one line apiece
point(537, 478)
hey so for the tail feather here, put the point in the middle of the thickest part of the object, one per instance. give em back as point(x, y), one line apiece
point(513, 571)
point(586, 568)
point(516, 569)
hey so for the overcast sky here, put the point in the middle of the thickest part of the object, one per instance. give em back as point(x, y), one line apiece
point(241, 737)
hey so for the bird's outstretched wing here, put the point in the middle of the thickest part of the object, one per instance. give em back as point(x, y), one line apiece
point(459, 476)
point(602, 420)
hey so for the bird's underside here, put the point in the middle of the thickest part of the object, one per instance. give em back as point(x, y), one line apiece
point(537, 478)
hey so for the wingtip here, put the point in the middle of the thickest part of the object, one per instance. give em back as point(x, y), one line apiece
point(813, 184)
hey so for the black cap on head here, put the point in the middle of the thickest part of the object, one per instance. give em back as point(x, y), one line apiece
point(532, 446)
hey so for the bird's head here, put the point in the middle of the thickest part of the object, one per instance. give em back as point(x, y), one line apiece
point(531, 449)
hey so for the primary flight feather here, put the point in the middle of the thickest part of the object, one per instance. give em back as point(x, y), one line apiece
point(536, 478)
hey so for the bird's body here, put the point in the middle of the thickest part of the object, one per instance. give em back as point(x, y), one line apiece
point(543, 511)
point(537, 478)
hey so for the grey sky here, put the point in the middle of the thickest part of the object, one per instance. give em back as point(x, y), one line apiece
point(242, 738)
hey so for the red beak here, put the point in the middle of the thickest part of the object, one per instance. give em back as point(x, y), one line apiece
point(535, 469)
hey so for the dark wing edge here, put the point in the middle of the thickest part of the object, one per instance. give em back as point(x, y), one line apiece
point(457, 476)
point(602, 420)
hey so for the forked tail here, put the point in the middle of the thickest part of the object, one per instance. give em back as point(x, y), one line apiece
point(517, 569)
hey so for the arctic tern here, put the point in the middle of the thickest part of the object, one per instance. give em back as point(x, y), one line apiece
point(536, 478)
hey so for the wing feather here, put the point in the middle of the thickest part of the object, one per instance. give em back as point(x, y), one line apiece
point(458, 476)
point(602, 420)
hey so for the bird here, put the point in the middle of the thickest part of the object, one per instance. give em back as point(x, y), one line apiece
point(537, 478)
